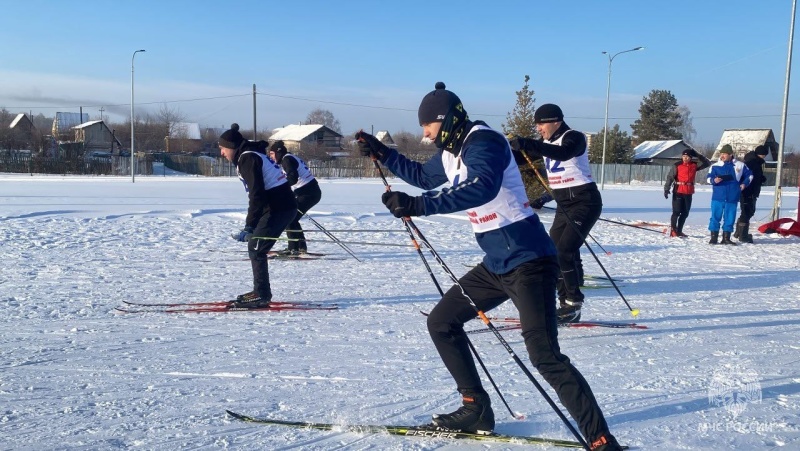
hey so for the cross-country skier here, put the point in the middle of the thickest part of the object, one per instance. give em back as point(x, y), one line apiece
point(520, 264)
point(306, 193)
point(271, 208)
point(578, 201)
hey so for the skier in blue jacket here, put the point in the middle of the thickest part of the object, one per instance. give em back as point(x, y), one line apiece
point(728, 178)
point(520, 263)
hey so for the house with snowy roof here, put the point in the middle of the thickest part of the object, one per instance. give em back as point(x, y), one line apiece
point(743, 140)
point(659, 152)
point(308, 137)
point(96, 137)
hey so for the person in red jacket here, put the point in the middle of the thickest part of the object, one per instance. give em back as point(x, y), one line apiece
point(681, 180)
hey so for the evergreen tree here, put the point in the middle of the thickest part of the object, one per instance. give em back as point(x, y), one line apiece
point(520, 123)
point(520, 120)
point(660, 118)
point(619, 147)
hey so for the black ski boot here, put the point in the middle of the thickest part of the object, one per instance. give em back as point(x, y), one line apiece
point(476, 415)
point(726, 238)
point(251, 299)
point(569, 311)
point(605, 442)
point(714, 237)
point(745, 236)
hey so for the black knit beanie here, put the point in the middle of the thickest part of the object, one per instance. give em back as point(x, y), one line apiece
point(278, 147)
point(762, 150)
point(231, 139)
point(280, 150)
point(549, 112)
point(436, 104)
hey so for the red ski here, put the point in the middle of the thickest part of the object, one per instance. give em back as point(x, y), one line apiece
point(219, 307)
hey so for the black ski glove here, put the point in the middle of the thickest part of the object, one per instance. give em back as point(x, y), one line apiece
point(539, 203)
point(370, 146)
point(401, 204)
point(666, 194)
point(526, 145)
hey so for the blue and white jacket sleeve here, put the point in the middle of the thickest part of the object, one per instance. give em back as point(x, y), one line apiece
point(485, 156)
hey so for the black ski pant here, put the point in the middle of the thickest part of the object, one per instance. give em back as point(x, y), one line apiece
point(681, 204)
point(307, 196)
point(748, 204)
point(576, 213)
point(531, 287)
point(270, 226)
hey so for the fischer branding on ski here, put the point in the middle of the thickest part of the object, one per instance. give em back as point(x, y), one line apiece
point(412, 431)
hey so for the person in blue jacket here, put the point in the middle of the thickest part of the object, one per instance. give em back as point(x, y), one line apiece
point(728, 178)
point(520, 262)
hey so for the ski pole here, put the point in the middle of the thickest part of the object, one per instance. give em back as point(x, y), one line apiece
point(362, 243)
point(634, 312)
point(409, 224)
point(502, 340)
point(330, 235)
point(620, 223)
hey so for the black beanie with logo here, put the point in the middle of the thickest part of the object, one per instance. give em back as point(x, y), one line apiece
point(436, 104)
point(280, 150)
point(549, 112)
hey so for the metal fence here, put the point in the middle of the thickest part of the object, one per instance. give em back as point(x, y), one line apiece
point(347, 167)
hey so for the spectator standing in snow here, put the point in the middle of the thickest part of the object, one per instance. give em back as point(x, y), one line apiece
point(271, 208)
point(681, 180)
point(306, 192)
point(755, 161)
point(477, 164)
point(578, 201)
point(728, 178)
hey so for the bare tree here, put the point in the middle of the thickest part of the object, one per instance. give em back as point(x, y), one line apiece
point(326, 118)
point(687, 128)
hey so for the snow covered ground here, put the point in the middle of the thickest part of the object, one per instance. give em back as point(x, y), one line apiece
point(717, 368)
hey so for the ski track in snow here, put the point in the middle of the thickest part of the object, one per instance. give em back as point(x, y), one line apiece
point(76, 375)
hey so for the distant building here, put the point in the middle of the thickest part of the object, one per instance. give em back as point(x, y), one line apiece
point(96, 137)
point(659, 152)
point(184, 137)
point(743, 140)
point(64, 122)
point(308, 137)
point(23, 133)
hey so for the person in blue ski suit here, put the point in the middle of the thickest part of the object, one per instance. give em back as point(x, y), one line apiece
point(482, 178)
point(728, 177)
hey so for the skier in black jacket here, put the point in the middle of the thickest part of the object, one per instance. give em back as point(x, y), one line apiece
point(271, 208)
point(755, 161)
point(306, 192)
point(579, 203)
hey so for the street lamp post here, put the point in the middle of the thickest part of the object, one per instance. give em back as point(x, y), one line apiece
point(605, 129)
point(133, 173)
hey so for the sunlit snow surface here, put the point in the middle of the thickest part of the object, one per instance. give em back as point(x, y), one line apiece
point(718, 368)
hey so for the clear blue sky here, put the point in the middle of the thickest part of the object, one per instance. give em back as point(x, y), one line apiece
point(370, 62)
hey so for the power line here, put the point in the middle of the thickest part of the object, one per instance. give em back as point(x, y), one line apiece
point(329, 102)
